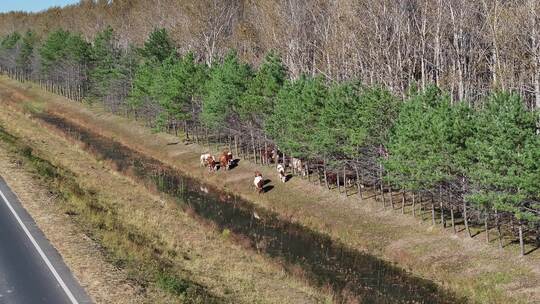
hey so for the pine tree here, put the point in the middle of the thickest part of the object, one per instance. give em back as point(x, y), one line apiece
point(294, 123)
point(105, 58)
point(529, 181)
point(9, 51)
point(64, 59)
point(499, 154)
point(143, 82)
point(53, 48)
point(10, 41)
point(178, 85)
point(428, 141)
point(227, 83)
point(377, 113)
point(257, 103)
point(28, 43)
point(158, 46)
point(356, 117)
point(77, 49)
point(338, 124)
point(156, 57)
point(64, 47)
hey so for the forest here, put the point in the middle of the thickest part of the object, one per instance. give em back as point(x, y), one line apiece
point(434, 106)
point(468, 48)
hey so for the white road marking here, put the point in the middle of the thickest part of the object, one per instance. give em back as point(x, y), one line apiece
point(40, 251)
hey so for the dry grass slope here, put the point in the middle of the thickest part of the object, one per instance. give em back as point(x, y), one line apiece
point(159, 246)
point(466, 266)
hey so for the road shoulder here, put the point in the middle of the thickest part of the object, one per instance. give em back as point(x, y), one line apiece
point(47, 253)
point(62, 241)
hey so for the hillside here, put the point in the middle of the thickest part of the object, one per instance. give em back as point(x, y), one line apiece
point(374, 108)
point(464, 266)
point(466, 47)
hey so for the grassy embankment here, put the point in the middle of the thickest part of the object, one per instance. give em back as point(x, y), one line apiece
point(100, 222)
point(161, 247)
point(465, 266)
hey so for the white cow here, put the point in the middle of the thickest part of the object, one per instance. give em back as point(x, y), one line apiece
point(281, 172)
point(204, 159)
point(230, 158)
point(298, 165)
point(258, 182)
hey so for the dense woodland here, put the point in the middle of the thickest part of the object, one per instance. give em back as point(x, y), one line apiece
point(468, 48)
point(433, 104)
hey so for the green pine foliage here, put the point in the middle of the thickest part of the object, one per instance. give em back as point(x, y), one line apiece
point(335, 120)
point(61, 46)
point(227, 82)
point(501, 153)
point(10, 41)
point(106, 68)
point(143, 82)
point(530, 184)
point(10, 50)
point(77, 49)
point(356, 117)
point(28, 43)
point(257, 103)
point(377, 114)
point(53, 48)
point(428, 141)
point(178, 85)
point(158, 47)
point(492, 151)
point(297, 113)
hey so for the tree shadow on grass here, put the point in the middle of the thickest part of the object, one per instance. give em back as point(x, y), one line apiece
point(266, 185)
point(234, 163)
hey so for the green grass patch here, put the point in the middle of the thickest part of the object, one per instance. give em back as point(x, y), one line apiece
point(29, 107)
point(6, 137)
point(172, 284)
point(488, 287)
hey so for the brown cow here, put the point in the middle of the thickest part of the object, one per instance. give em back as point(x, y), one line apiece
point(208, 160)
point(212, 164)
point(268, 155)
point(331, 178)
point(258, 182)
point(204, 159)
point(225, 160)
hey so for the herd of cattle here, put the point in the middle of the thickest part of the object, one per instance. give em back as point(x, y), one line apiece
point(226, 162)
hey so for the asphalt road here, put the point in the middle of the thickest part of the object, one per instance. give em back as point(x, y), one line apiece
point(31, 270)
